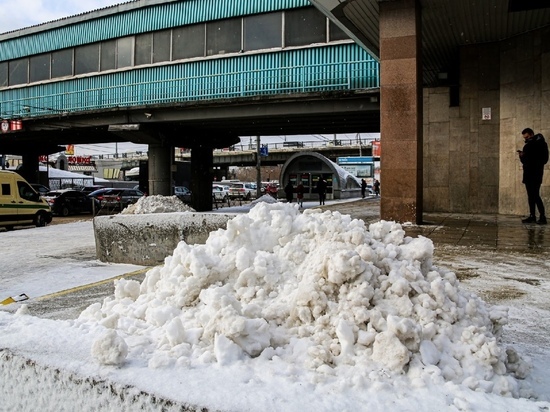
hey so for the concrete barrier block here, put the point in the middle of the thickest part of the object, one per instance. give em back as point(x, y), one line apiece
point(146, 239)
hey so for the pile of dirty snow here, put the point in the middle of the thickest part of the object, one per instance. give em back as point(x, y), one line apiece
point(285, 290)
point(157, 204)
point(265, 199)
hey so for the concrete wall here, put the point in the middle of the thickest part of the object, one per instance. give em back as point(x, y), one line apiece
point(149, 238)
point(470, 163)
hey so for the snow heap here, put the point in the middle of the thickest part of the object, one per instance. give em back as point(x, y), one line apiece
point(157, 204)
point(264, 198)
point(315, 289)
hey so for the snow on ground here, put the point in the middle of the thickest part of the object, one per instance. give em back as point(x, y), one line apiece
point(157, 204)
point(291, 311)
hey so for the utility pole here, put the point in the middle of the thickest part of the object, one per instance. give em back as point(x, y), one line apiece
point(258, 168)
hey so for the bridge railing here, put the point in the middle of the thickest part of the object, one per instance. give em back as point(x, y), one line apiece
point(292, 146)
point(27, 102)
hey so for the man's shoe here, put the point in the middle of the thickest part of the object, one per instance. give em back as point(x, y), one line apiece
point(542, 220)
point(530, 219)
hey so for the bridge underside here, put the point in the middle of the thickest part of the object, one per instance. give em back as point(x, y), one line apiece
point(199, 126)
point(202, 124)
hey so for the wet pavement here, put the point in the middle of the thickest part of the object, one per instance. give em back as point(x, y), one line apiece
point(480, 231)
point(495, 256)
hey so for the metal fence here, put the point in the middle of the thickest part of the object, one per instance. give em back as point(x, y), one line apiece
point(27, 102)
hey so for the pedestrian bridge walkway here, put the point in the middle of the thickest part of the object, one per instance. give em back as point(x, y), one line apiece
point(149, 54)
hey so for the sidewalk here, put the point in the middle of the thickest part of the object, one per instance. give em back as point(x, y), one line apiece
point(482, 231)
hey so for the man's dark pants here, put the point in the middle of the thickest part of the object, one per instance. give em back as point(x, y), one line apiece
point(534, 199)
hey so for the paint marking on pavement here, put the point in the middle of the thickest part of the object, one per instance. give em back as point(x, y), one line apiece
point(91, 285)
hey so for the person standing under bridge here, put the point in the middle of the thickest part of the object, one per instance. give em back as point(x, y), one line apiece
point(533, 158)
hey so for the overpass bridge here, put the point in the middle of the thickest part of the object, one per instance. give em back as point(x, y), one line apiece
point(181, 73)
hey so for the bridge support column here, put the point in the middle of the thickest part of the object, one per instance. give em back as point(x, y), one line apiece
point(401, 111)
point(202, 160)
point(160, 169)
point(30, 167)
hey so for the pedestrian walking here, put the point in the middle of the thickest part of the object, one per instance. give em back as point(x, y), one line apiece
point(533, 157)
point(363, 188)
point(300, 194)
point(322, 190)
point(376, 187)
point(289, 192)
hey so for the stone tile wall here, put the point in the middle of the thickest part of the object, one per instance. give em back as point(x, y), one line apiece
point(470, 164)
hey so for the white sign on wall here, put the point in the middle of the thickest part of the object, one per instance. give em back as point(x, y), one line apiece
point(486, 113)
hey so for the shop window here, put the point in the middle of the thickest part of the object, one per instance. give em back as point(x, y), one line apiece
point(188, 42)
point(86, 59)
point(18, 71)
point(223, 36)
point(263, 31)
point(62, 63)
point(305, 26)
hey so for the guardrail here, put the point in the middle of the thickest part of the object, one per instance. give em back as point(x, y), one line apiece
point(351, 75)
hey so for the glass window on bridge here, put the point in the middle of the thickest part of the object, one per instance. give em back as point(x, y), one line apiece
point(108, 55)
point(62, 63)
point(18, 71)
point(305, 26)
point(144, 48)
point(263, 31)
point(125, 52)
point(161, 46)
point(336, 33)
point(86, 59)
point(4, 74)
point(39, 68)
point(223, 36)
point(188, 41)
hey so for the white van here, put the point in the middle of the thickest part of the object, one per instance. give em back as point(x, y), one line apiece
point(20, 204)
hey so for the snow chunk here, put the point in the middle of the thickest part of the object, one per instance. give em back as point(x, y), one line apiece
point(110, 349)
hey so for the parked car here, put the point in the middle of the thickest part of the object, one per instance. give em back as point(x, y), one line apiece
point(243, 190)
point(183, 193)
point(89, 189)
point(118, 199)
point(65, 202)
point(220, 193)
point(40, 189)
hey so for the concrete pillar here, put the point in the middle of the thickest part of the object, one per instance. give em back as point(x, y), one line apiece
point(30, 167)
point(160, 169)
point(401, 111)
point(202, 160)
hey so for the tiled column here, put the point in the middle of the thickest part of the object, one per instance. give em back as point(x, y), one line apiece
point(401, 111)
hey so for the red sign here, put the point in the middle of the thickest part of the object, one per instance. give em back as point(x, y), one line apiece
point(376, 148)
point(79, 160)
point(16, 125)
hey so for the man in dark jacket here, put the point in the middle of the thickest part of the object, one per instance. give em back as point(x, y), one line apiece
point(533, 157)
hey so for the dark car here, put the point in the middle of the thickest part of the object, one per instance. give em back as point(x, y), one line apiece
point(67, 202)
point(40, 189)
point(120, 198)
point(89, 189)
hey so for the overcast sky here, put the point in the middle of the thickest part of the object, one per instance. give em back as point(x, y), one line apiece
point(18, 14)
